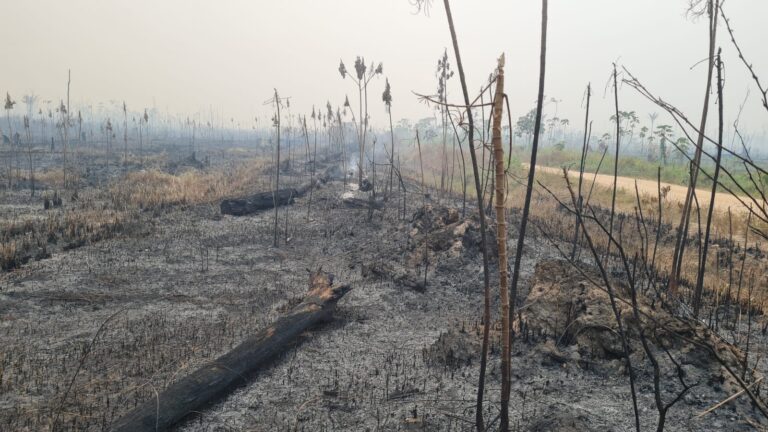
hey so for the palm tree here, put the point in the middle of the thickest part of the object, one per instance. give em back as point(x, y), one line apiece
point(362, 81)
point(29, 154)
point(664, 132)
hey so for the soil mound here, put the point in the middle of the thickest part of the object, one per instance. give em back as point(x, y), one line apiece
point(446, 233)
point(574, 308)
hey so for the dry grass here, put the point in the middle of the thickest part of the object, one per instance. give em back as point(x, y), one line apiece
point(8, 255)
point(547, 214)
point(154, 159)
point(154, 188)
point(52, 177)
point(28, 239)
point(718, 277)
point(99, 215)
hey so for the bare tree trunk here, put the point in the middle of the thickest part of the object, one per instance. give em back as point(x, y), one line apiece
point(531, 173)
point(29, 153)
point(615, 159)
point(486, 277)
point(463, 171)
point(372, 197)
point(392, 147)
point(364, 122)
point(10, 147)
point(360, 137)
point(66, 130)
point(421, 165)
point(501, 239)
point(277, 167)
point(314, 166)
point(682, 230)
point(141, 140)
point(65, 127)
point(703, 264)
point(584, 146)
point(306, 139)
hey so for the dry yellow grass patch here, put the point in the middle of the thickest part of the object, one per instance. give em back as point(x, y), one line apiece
point(154, 188)
point(53, 177)
point(545, 211)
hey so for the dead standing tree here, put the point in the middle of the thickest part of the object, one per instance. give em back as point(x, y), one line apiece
point(108, 130)
point(29, 154)
point(501, 239)
point(328, 124)
point(64, 130)
point(143, 120)
point(277, 102)
point(125, 135)
point(531, 174)
point(314, 159)
point(682, 230)
point(9, 103)
point(479, 423)
point(703, 263)
point(582, 161)
point(342, 143)
point(616, 155)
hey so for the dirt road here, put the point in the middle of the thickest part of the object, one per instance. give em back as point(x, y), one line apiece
point(723, 200)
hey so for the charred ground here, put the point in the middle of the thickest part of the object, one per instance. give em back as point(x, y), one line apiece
point(122, 316)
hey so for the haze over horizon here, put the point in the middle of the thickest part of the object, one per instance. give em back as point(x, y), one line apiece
point(187, 57)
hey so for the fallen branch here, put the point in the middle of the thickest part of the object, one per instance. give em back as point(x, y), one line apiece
point(728, 399)
point(216, 379)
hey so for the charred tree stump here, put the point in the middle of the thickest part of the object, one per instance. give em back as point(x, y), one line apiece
point(215, 380)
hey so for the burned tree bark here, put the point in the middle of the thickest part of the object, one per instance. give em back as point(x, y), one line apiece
point(359, 203)
point(529, 187)
point(259, 201)
point(584, 149)
point(265, 200)
point(215, 380)
point(682, 229)
point(501, 238)
point(703, 262)
point(479, 422)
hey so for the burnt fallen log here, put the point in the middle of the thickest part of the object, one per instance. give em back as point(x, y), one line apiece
point(215, 380)
point(259, 201)
point(359, 203)
point(266, 200)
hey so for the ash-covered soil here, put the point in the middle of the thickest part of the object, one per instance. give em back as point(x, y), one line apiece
point(128, 315)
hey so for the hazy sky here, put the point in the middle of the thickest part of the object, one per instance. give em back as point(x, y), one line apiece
point(186, 56)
